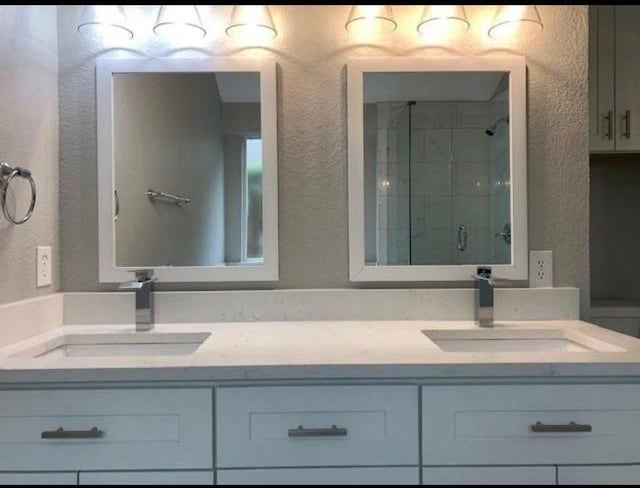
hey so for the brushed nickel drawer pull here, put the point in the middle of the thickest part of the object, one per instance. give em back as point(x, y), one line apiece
point(332, 431)
point(60, 433)
point(570, 427)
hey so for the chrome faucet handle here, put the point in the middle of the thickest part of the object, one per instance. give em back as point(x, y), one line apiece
point(143, 275)
point(483, 274)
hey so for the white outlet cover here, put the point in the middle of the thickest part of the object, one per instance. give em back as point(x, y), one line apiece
point(43, 266)
point(541, 269)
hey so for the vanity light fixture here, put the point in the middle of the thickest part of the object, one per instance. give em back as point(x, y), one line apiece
point(251, 23)
point(439, 20)
point(365, 19)
point(509, 19)
point(105, 22)
point(179, 22)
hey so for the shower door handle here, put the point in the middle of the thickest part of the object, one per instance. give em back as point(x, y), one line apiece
point(462, 238)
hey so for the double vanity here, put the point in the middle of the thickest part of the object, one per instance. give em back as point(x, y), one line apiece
point(327, 401)
point(339, 385)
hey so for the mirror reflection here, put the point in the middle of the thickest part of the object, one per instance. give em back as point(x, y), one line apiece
point(436, 168)
point(187, 154)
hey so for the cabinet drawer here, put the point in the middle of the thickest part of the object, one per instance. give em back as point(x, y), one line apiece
point(294, 426)
point(106, 429)
point(320, 476)
point(579, 424)
point(628, 474)
point(68, 478)
point(155, 478)
point(490, 475)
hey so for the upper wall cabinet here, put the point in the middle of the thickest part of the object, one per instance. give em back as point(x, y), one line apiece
point(187, 169)
point(614, 78)
point(437, 168)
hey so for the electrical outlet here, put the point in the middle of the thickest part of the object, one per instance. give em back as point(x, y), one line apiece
point(43, 266)
point(541, 269)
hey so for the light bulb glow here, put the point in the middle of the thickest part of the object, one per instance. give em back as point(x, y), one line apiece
point(179, 22)
point(251, 23)
point(369, 20)
point(515, 19)
point(440, 21)
point(105, 22)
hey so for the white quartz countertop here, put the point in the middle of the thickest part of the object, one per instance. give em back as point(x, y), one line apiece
point(324, 350)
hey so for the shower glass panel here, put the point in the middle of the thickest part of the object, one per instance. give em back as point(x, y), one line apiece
point(441, 166)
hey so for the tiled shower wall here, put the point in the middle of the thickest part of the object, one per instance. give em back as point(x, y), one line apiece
point(437, 169)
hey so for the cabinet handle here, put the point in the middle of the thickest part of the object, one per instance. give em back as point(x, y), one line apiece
point(570, 427)
point(332, 431)
point(462, 238)
point(60, 433)
point(627, 124)
point(116, 199)
point(609, 119)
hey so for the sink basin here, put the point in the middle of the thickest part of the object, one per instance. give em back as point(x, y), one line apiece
point(517, 340)
point(117, 344)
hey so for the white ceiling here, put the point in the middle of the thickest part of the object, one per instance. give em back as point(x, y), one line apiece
point(430, 86)
point(239, 87)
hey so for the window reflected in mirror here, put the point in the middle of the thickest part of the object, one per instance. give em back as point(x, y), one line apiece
point(187, 155)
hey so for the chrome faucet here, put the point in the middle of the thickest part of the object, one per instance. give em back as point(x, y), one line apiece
point(484, 297)
point(143, 286)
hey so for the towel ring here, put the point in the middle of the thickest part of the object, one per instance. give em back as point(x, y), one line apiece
point(7, 174)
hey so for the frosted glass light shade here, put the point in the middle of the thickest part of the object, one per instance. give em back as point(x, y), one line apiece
point(105, 22)
point(368, 19)
point(251, 23)
point(511, 19)
point(443, 20)
point(179, 22)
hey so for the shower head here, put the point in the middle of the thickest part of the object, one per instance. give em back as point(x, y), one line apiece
point(491, 130)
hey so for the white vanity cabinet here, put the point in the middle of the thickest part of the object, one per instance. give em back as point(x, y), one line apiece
point(624, 474)
point(614, 78)
point(329, 434)
point(52, 478)
point(104, 429)
point(572, 428)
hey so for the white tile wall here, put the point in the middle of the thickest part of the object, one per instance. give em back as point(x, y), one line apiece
point(432, 115)
point(458, 176)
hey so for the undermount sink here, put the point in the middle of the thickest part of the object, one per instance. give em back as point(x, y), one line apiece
point(117, 344)
point(516, 340)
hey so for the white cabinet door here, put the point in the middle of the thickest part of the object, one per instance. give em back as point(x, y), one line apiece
point(66, 478)
point(627, 74)
point(628, 474)
point(530, 424)
point(601, 78)
point(106, 429)
point(146, 478)
point(277, 426)
point(489, 475)
point(319, 476)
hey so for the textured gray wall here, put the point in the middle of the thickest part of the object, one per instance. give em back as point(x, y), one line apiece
point(29, 138)
point(311, 50)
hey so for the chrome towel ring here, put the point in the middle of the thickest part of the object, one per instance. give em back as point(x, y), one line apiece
point(7, 174)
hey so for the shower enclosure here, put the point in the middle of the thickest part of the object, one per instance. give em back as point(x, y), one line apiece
point(442, 181)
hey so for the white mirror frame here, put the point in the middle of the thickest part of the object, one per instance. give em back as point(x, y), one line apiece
point(516, 66)
point(105, 68)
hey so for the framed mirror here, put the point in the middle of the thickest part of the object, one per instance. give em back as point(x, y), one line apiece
point(437, 168)
point(187, 169)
